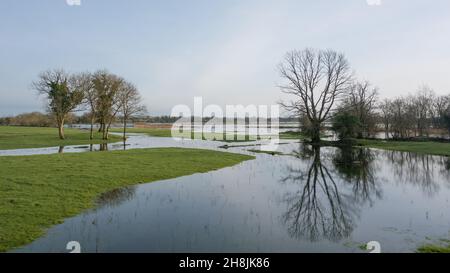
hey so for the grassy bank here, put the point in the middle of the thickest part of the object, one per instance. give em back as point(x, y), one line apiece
point(39, 191)
point(442, 247)
point(425, 147)
point(12, 137)
point(293, 135)
point(156, 132)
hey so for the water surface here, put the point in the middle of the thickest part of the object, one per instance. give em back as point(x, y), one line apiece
point(314, 200)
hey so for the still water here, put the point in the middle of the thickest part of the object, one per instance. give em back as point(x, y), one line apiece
point(308, 200)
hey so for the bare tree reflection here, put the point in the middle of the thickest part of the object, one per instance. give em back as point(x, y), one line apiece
point(338, 182)
point(356, 167)
point(318, 210)
point(416, 169)
point(104, 147)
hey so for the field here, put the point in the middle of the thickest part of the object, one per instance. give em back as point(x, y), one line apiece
point(12, 137)
point(39, 191)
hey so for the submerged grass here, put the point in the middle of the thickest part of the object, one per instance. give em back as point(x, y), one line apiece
point(430, 248)
point(39, 191)
point(16, 137)
point(265, 152)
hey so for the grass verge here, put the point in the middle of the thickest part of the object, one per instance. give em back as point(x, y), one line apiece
point(425, 147)
point(16, 137)
point(39, 191)
point(434, 249)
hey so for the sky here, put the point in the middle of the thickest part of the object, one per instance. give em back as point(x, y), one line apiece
point(226, 51)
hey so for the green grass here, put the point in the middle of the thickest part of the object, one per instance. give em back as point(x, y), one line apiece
point(425, 147)
point(149, 131)
point(297, 135)
point(292, 135)
point(39, 191)
point(433, 249)
point(16, 137)
point(266, 152)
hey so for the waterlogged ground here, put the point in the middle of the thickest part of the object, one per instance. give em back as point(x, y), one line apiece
point(308, 200)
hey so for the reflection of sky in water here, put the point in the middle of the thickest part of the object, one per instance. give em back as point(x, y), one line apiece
point(332, 200)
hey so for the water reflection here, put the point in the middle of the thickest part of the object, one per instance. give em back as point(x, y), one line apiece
point(357, 168)
point(90, 148)
point(104, 147)
point(318, 209)
point(416, 169)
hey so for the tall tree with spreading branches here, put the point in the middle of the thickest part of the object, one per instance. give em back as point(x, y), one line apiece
point(130, 103)
point(84, 83)
point(62, 95)
point(107, 87)
point(317, 79)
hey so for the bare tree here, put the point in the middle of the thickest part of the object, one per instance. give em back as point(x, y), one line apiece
point(130, 103)
point(317, 79)
point(361, 101)
point(107, 87)
point(62, 96)
point(423, 102)
point(441, 111)
point(403, 117)
point(386, 115)
point(84, 83)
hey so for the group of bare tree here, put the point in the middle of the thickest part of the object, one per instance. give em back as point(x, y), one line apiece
point(103, 95)
point(417, 115)
point(325, 90)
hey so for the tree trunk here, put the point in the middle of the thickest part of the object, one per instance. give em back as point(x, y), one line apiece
point(105, 134)
point(61, 129)
point(124, 128)
point(102, 127)
point(315, 132)
point(386, 131)
point(106, 131)
point(92, 129)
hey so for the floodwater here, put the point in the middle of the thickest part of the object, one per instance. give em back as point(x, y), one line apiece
point(309, 200)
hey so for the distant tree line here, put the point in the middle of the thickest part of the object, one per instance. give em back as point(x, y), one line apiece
point(104, 96)
point(34, 119)
point(417, 115)
point(420, 115)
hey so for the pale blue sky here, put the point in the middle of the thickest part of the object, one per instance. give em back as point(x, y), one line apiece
point(224, 50)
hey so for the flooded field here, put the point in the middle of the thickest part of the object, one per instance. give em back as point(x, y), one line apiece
point(306, 200)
